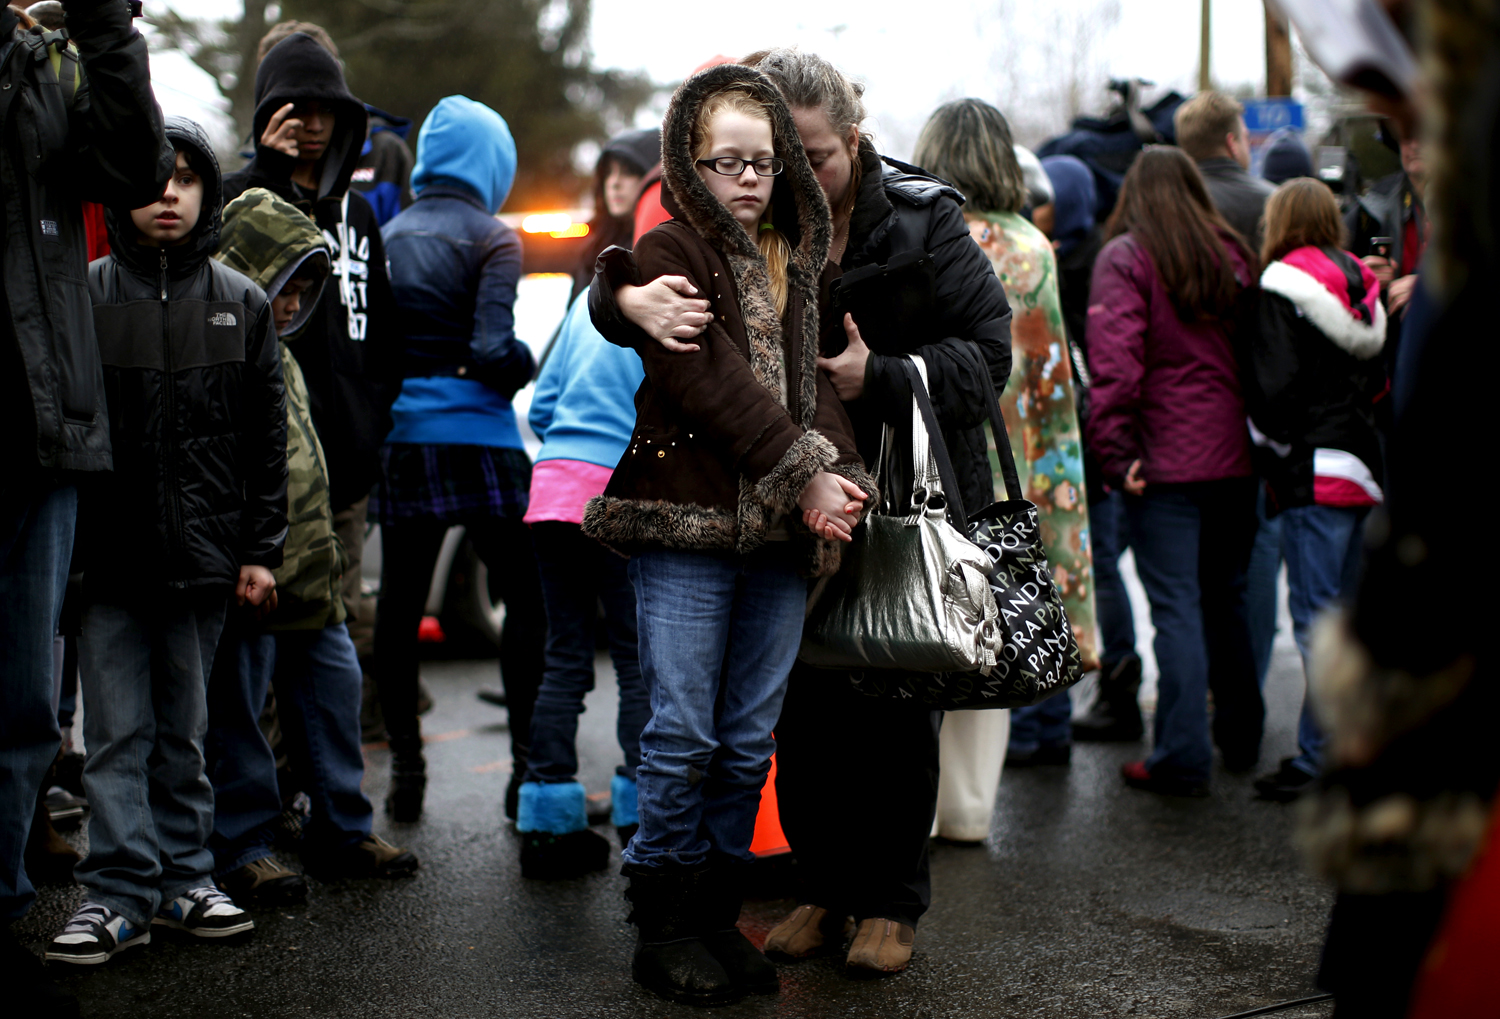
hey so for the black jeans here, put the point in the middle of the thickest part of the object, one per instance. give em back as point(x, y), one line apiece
point(409, 552)
point(578, 574)
point(857, 782)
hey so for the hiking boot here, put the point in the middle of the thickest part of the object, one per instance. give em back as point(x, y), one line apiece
point(671, 959)
point(805, 931)
point(93, 935)
point(371, 857)
point(265, 882)
point(880, 946)
point(1116, 714)
point(204, 912)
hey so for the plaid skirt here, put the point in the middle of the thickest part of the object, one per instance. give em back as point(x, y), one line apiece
point(450, 483)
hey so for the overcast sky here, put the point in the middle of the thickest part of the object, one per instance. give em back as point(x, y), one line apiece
point(916, 57)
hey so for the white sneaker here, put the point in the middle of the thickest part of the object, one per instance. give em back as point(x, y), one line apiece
point(93, 935)
point(205, 912)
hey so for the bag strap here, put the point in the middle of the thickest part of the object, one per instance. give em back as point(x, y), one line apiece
point(936, 448)
point(1008, 472)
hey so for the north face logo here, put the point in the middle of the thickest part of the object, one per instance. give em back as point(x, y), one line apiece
point(363, 175)
point(222, 318)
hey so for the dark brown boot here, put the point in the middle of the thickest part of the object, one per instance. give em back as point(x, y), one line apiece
point(1116, 714)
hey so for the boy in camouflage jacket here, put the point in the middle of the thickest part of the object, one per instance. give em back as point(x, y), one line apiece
point(304, 646)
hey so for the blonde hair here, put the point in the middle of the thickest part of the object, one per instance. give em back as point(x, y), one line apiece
point(772, 243)
point(1302, 212)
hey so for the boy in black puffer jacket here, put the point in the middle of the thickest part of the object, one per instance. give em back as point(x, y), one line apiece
point(194, 514)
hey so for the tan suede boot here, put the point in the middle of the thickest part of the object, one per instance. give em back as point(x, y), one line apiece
point(805, 930)
point(881, 946)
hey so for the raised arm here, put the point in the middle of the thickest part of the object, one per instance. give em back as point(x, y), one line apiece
point(120, 157)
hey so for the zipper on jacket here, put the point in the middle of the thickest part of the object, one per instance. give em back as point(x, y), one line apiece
point(169, 422)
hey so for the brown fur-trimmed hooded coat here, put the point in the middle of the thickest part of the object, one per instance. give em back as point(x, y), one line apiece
point(727, 437)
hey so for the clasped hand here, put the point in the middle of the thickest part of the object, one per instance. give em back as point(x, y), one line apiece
point(831, 506)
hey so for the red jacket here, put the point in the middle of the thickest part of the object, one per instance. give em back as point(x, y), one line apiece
point(1165, 392)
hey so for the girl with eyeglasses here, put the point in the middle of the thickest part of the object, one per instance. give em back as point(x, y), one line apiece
point(740, 447)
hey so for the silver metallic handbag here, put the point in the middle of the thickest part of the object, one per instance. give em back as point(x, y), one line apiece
point(913, 592)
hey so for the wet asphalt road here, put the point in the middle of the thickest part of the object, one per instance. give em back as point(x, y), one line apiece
point(1087, 900)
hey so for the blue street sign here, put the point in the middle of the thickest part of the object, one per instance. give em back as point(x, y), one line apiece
point(1262, 116)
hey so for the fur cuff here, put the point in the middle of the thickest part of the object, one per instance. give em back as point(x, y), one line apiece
point(557, 808)
point(630, 525)
point(623, 808)
point(782, 486)
point(866, 482)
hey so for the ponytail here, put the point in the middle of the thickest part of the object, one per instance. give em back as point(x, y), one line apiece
point(777, 253)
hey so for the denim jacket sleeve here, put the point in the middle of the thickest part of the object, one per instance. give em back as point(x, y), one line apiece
point(505, 362)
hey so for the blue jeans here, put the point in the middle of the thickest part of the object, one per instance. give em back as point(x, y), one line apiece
point(577, 575)
point(1107, 530)
point(1260, 590)
point(718, 636)
point(1322, 548)
point(1048, 724)
point(317, 679)
point(144, 672)
point(318, 686)
point(241, 765)
point(36, 544)
point(1192, 544)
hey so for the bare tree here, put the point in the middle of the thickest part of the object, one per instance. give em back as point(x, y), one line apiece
point(1048, 59)
point(221, 48)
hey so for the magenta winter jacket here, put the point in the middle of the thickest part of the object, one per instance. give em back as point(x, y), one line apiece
point(1164, 391)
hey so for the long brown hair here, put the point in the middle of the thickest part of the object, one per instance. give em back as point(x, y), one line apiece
point(1165, 206)
point(1301, 212)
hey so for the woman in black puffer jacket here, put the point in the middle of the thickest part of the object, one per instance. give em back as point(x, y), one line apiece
point(857, 777)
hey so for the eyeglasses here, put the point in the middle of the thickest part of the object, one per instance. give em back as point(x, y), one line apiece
point(732, 166)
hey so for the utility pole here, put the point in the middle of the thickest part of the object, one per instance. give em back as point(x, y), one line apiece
point(1205, 79)
point(1278, 52)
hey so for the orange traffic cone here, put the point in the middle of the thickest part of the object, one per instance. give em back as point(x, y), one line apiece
point(769, 839)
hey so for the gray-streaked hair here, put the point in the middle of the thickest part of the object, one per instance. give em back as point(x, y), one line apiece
point(807, 81)
point(967, 143)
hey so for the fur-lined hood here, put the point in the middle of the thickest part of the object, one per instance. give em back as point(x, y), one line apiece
point(1336, 292)
point(717, 461)
point(686, 197)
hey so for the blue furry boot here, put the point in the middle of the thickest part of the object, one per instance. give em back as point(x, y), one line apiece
point(552, 818)
point(624, 813)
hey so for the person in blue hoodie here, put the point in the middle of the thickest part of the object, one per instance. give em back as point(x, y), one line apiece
point(454, 456)
point(584, 412)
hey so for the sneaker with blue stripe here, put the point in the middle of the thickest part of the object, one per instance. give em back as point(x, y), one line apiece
point(93, 935)
point(205, 912)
